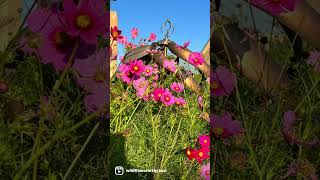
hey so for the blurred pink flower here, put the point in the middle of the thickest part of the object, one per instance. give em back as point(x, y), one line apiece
point(93, 67)
point(137, 67)
point(170, 65)
point(275, 7)
point(97, 99)
point(314, 60)
point(152, 37)
point(200, 102)
point(195, 58)
point(289, 118)
point(86, 20)
point(141, 86)
point(3, 87)
point(205, 171)
point(134, 33)
point(167, 98)
point(123, 40)
point(224, 126)
point(148, 70)
point(222, 81)
point(177, 87)
point(179, 101)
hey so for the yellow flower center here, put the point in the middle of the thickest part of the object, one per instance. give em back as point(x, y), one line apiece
point(84, 21)
point(200, 154)
point(215, 85)
point(147, 70)
point(159, 95)
point(176, 88)
point(196, 60)
point(205, 141)
point(189, 152)
point(167, 98)
point(178, 102)
point(207, 173)
point(136, 68)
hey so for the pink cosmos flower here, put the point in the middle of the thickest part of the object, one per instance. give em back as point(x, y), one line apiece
point(125, 73)
point(191, 153)
point(195, 58)
point(141, 86)
point(179, 101)
point(158, 93)
point(123, 40)
point(137, 67)
point(55, 43)
point(275, 7)
point(177, 87)
point(204, 140)
point(130, 46)
point(314, 60)
point(152, 37)
point(87, 19)
point(167, 98)
point(205, 171)
point(148, 70)
point(224, 126)
point(134, 33)
point(156, 77)
point(202, 154)
point(222, 82)
point(170, 65)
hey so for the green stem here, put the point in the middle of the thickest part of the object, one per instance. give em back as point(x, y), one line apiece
point(81, 150)
point(55, 138)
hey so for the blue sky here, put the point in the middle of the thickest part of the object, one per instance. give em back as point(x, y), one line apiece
point(191, 19)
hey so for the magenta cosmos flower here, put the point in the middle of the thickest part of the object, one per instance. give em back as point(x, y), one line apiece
point(275, 7)
point(55, 43)
point(195, 58)
point(205, 171)
point(137, 67)
point(134, 33)
point(157, 93)
point(179, 101)
point(148, 70)
point(152, 37)
point(87, 19)
point(314, 60)
point(222, 82)
point(141, 86)
point(204, 140)
point(170, 65)
point(224, 126)
point(125, 73)
point(167, 98)
point(177, 87)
